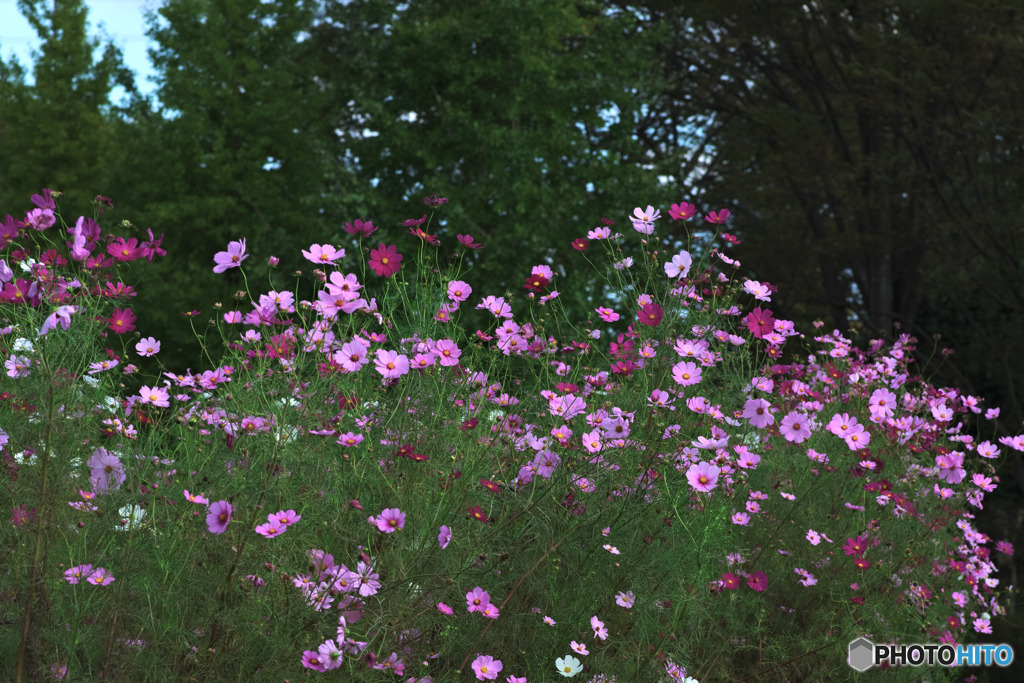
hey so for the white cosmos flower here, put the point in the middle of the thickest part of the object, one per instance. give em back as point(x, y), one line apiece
point(568, 666)
point(131, 516)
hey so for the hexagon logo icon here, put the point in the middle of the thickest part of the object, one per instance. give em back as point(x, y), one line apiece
point(862, 654)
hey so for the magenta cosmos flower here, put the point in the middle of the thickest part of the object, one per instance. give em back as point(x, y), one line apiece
point(218, 517)
point(758, 581)
point(389, 521)
point(760, 322)
point(385, 260)
point(703, 476)
point(486, 667)
point(122, 321)
point(232, 258)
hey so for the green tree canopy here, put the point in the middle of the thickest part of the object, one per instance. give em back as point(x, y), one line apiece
point(56, 132)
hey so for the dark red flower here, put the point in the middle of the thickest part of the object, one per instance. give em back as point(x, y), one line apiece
point(536, 283)
point(650, 314)
point(476, 513)
point(580, 243)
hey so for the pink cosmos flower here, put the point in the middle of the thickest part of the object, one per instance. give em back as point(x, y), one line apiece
point(284, 517)
point(795, 427)
point(147, 347)
point(757, 411)
point(350, 439)
point(477, 599)
point(808, 579)
point(232, 258)
point(498, 307)
point(323, 254)
point(389, 521)
point(599, 630)
point(100, 577)
point(741, 519)
point(858, 439)
point(196, 498)
point(624, 600)
point(686, 373)
point(62, 317)
point(352, 356)
point(486, 667)
point(155, 396)
point(369, 581)
point(218, 517)
point(312, 660)
point(106, 471)
point(459, 291)
point(679, 266)
point(447, 352)
point(703, 476)
point(391, 364)
point(445, 609)
point(385, 260)
point(330, 655)
point(270, 529)
point(987, 449)
point(445, 537)
point(579, 648)
point(18, 366)
point(77, 574)
point(489, 611)
point(607, 314)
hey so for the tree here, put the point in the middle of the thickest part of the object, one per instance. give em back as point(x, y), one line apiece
point(229, 151)
point(873, 152)
point(519, 112)
point(56, 133)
